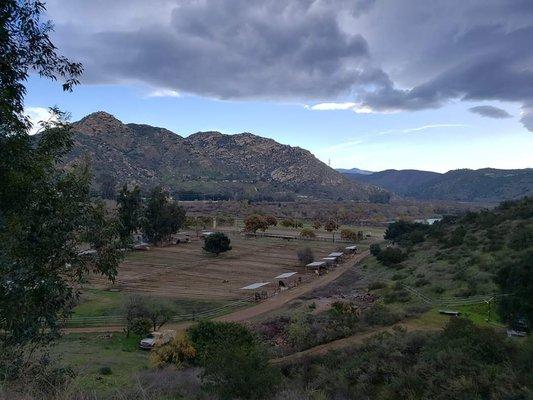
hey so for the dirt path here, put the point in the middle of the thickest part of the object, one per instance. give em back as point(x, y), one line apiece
point(409, 325)
point(271, 304)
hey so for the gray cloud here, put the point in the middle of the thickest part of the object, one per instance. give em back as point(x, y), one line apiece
point(490, 111)
point(384, 55)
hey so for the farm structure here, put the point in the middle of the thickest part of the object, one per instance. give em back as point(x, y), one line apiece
point(186, 271)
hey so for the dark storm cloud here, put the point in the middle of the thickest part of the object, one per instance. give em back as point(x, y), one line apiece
point(490, 111)
point(384, 55)
point(237, 49)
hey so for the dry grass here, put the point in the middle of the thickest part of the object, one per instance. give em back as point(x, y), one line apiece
point(186, 271)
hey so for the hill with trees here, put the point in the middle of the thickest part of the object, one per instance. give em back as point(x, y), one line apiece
point(206, 164)
point(482, 185)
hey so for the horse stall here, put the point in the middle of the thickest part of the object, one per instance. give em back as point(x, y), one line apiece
point(318, 267)
point(288, 280)
point(261, 290)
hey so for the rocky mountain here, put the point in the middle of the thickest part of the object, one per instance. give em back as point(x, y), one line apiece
point(207, 163)
point(482, 185)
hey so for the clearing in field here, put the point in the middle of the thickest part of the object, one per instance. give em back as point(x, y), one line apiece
point(186, 271)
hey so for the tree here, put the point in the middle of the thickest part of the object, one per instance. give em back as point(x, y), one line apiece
point(305, 256)
point(130, 211)
point(108, 185)
point(163, 217)
point(515, 279)
point(271, 220)
point(139, 309)
point(317, 225)
point(217, 243)
point(235, 366)
point(375, 249)
point(307, 233)
point(46, 214)
point(331, 226)
point(26, 46)
point(255, 222)
point(348, 234)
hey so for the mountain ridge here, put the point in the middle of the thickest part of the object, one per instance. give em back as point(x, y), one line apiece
point(243, 165)
point(472, 185)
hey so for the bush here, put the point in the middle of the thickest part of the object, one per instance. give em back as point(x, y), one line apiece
point(140, 326)
point(375, 249)
point(307, 233)
point(391, 256)
point(305, 256)
point(235, 366)
point(105, 371)
point(179, 350)
point(377, 285)
point(348, 234)
point(217, 243)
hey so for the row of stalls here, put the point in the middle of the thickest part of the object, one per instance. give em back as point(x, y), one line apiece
point(288, 280)
point(282, 282)
point(331, 260)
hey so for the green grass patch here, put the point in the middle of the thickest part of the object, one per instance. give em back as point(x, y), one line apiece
point(102, 362)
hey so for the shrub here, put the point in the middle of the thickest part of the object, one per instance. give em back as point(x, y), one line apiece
point(105, 371)
point(307, 233)
point(140, 326)
point(377, 285)
point(375, 249)
point(255, 222)
point(391, 256)
point(305, 256)
point(179, 350)
point(317, 225)
point(348, 234)
point(217, 243)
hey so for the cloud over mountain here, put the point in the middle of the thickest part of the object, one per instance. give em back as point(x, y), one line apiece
point(383, 56)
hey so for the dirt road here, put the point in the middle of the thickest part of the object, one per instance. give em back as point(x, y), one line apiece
point(271, 304)
point(409, 325)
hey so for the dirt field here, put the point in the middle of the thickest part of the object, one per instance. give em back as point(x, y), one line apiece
point(186, 271)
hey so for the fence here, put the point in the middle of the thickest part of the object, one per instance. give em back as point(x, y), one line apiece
point(117, 320)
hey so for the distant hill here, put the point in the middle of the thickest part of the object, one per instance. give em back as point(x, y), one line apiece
point(356, 171)
point(482, 185)
point(207, 163)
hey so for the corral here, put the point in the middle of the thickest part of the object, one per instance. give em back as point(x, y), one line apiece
point(186, 271)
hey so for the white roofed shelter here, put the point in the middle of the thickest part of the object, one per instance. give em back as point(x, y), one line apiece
point(335, 254)
point(285, 275)
point(255, 286)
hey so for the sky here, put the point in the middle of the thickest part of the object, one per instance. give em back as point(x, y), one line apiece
point(373, 84)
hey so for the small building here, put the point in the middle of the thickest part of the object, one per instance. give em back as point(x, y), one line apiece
point(350, 249)
point(318, 267)
point(259, 289)
point(336, 254)
point(288, 280)
point(330, 261)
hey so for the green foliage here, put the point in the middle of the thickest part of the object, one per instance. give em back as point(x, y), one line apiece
point(130, 211)
point(26, 46)
point(105, 370)
point(391, 256)
point(305, 256)
point(461, 362)
point(163, 217)
point(375, 249)
point(515, 279)
point(406, 233)
point(235, 366)
point(217, 243)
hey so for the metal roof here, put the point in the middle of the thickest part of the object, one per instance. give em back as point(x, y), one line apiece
point(351, 248)
point(316, 264)
point(335, 254)
point(330, 258)
point(255, 285)
point(285, 275)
